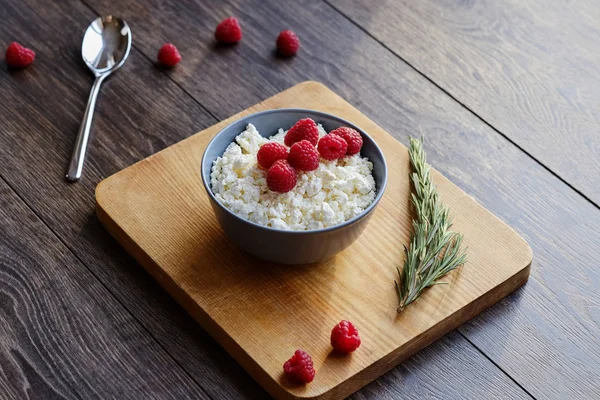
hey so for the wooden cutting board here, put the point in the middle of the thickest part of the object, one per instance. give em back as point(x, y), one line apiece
point(262, 312)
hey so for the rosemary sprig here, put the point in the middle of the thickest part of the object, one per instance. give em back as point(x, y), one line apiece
point(434, 250)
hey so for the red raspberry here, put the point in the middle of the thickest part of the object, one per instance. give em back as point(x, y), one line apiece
point(229, 31)
point(304, 156)
point(300, 367)
point(344, 337)
point(18, 56)
point(332, 147)
point(168, 55)
point(351, 136)
point(287, 43)
point(305, 129)
point(281, 177)
point(271, 152)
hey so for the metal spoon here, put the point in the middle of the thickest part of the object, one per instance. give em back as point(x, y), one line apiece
point(105, 48)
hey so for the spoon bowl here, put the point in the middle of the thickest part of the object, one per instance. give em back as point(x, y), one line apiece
point(106, 45)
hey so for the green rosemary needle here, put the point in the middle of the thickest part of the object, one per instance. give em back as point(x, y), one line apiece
point(434, 250)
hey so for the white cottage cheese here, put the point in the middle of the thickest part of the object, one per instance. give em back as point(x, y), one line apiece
point(333, 193)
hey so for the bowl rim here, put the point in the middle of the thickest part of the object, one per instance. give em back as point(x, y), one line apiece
point(343, 122)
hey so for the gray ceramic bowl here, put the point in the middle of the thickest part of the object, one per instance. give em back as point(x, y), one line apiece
point(280, 246)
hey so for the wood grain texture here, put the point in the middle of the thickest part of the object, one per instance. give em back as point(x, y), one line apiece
point(544, 336)
point(411, 380)
point(62, 335)
point(533, 336)
point(159, 211)
point(139, 112)
point(529, 68)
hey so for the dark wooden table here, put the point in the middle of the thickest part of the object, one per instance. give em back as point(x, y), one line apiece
point(507, 92)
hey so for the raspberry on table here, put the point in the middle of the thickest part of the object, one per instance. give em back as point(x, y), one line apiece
point(300, 367)
point(168, 55)
point(271, 152)
point(305, 129)
point(351, 136)
point(18, 56)
point(229, 31)
point(332, 147)
point(344, 337)
point(281, 177)
point(287, 43)
point(304, 156)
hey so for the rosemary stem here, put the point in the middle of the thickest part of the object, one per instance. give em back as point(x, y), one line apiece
point(434, 250)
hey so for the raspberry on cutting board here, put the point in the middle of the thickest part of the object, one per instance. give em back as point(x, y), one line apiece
point(305, 129)
point(271, 152)
point(168, 55)
point(300, 367)
point(287, 43)
point(229, 31)
point(331, 147)
point(281, 177)
point(18, 56)
point(344, 337)
point(304, 156)
point(351, 136)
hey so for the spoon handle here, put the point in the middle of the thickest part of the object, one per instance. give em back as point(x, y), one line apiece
point(75, 168)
